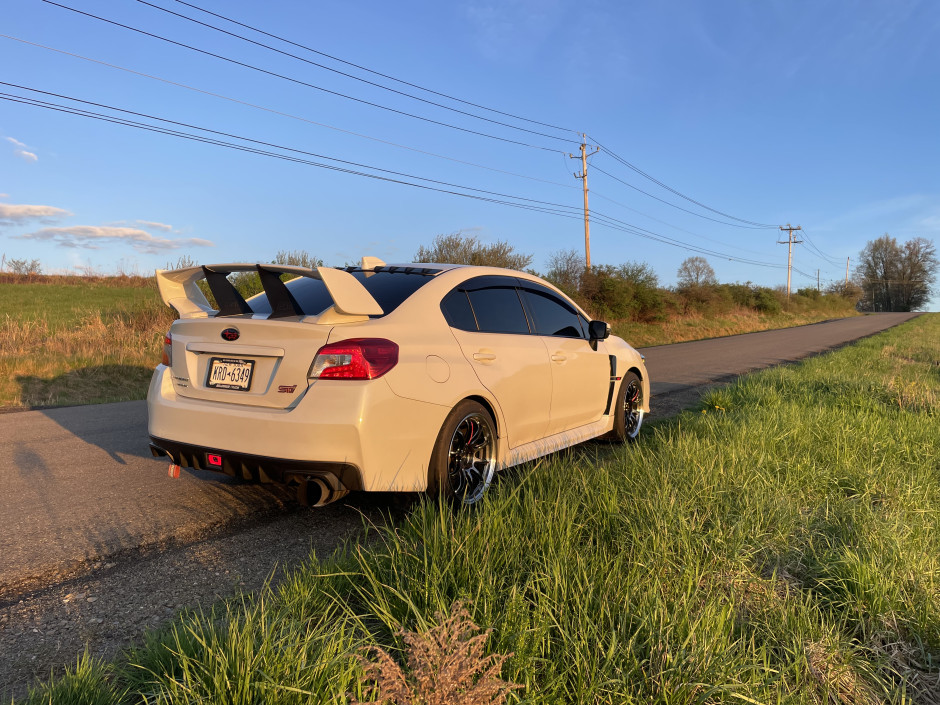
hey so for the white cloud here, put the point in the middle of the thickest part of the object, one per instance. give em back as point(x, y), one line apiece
point(152, 225)
point(93, 237)
point(21, 151)
point(4, 195)
point(16, 214)
point(145, 224)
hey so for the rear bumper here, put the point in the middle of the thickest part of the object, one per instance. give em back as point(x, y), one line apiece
point(362, 433)
point(256, 468)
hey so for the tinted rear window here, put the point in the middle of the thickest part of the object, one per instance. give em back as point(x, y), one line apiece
point(457, 311)
point(389, 289)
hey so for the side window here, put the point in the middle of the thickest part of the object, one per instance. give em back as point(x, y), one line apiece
point(552, 316)
point(457, 311)
point(498, 310)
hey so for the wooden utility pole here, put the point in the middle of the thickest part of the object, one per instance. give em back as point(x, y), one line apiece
point(847, 273)
point(817, 281)
point(790, 230)
point(583, 177)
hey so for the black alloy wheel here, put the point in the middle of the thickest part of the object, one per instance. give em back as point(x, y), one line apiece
point(464, 457)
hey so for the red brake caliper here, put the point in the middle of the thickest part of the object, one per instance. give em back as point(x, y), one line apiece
point(472, 434)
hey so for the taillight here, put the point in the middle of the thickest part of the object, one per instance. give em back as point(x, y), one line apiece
point(167, 350)
point(356, 358)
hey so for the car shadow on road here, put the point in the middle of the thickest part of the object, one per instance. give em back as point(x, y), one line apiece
point(118, 424)
point(95, 384)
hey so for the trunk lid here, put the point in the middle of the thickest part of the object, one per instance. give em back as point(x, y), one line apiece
point(266, 366)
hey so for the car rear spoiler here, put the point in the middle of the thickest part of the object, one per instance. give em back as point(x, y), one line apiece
point(179, 290)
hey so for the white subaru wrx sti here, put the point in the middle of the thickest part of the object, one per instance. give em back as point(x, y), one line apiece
point(416, 377)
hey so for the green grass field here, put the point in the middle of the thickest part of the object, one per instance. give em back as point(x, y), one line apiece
point(63, 305)
point(779, 544)
point(70, 340)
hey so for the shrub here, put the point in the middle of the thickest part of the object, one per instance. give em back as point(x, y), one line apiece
point(705, 298)
point(459, 248)
point(809, 293)
point(766, 301)
point(629, 291)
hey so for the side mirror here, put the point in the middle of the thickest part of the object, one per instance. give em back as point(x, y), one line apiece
point(598, 330)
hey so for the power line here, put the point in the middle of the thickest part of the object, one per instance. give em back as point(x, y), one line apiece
point(678, 193)
point(251, 150)
point(670, 225)
point(352, 76)
point(673, 205)
point(268, 144)
point(559, 210)
point(828, 258)
point(602, 219)
point(288, 115)
point(302, 83)
point(372, 71)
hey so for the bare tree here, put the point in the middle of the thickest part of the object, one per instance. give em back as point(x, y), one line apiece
point(565, 269)
point(896, 277)
point(25, 267)
point(459, 248)
point(298, 258)
point(696, 272)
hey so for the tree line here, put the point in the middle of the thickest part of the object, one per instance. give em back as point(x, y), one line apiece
point(889, 277)
point(632, 290)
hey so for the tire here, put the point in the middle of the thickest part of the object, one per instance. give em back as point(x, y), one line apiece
point(628, 414)
point(464, 457)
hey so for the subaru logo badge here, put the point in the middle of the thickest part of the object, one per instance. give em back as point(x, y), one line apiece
point(230, 334)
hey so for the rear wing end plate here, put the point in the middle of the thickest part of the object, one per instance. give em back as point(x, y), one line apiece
point(180, 290)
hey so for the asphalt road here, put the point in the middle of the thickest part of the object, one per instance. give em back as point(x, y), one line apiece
point(78, 485)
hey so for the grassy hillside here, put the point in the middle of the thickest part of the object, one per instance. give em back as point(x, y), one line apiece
point(779, 544)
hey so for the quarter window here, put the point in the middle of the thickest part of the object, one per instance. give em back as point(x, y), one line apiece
point(457, 311)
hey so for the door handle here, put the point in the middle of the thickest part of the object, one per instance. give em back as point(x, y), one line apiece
point(484, 357)
point(558, 357)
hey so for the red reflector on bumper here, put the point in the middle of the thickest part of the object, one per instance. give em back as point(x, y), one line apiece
point(214, 459)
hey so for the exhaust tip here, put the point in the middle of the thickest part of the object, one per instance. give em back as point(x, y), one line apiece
point(317, 492)
point(158, 452)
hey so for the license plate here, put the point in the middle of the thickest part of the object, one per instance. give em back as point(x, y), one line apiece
point(229, 373)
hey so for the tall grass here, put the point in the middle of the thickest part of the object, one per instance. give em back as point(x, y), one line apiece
point(779, 544)
point(78, 344)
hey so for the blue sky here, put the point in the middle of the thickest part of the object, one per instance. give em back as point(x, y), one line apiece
point(823, 114)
